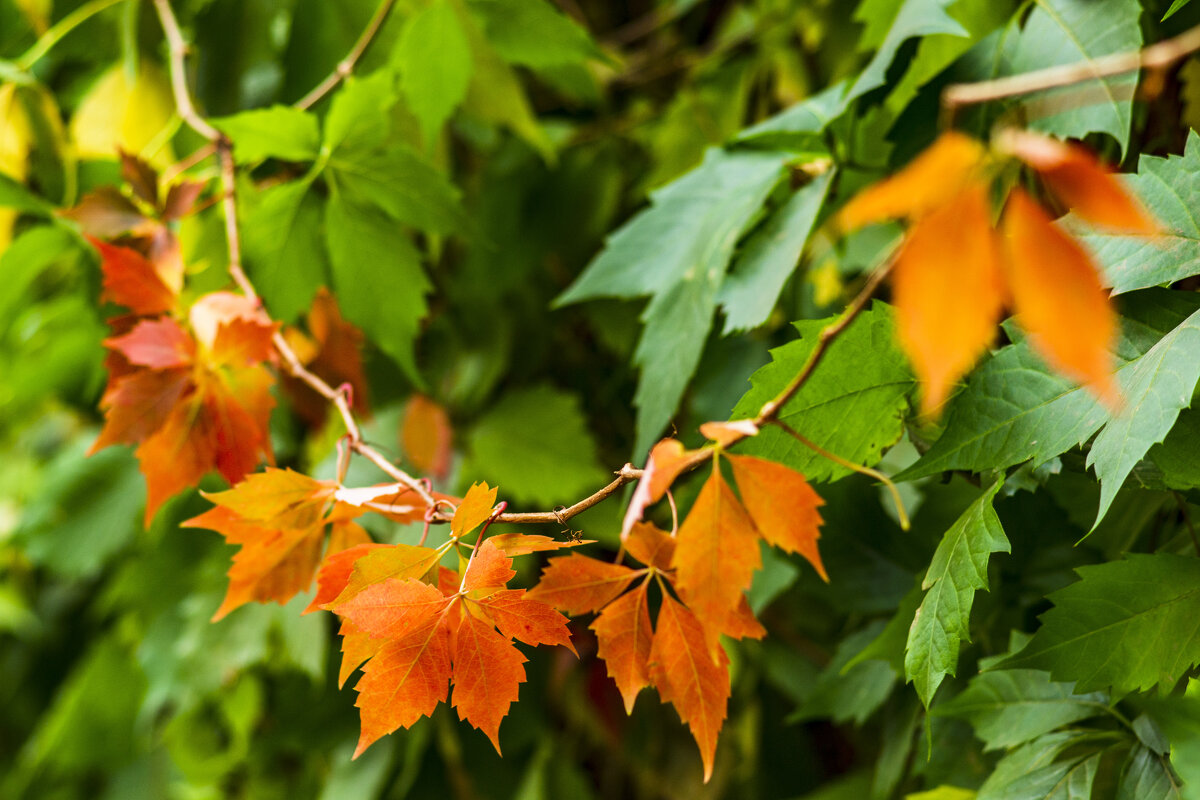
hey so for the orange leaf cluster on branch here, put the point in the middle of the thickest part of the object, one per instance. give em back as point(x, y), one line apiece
point(957, 271)
point(708, 566)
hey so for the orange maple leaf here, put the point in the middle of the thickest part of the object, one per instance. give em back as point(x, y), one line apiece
point(689, 676)
point(624, 637)
point(426, 436)
point(666, 461)
point(193, 401)
point(716, 556)
point(579, 585)
point(332, 350)
point(782, 504)
point(417, 638)
point(953, 276)
point(279, 518)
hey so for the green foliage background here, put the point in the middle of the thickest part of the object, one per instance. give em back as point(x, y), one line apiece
point(575, 225)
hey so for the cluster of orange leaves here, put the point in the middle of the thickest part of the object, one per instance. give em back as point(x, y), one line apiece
point(958, 270)
point(190, 386)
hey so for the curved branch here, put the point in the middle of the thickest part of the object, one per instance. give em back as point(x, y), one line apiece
point(347, 64)
point(224, 150)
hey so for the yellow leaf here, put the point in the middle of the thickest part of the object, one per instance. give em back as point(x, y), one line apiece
point(118, 114)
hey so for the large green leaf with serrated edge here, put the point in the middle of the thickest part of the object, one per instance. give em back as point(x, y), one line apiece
point(1155, 388)
point(1015, 408)
point(279, 132)
point(911, 19)
point(853, 404)
point(1033, 757)
point(678, 250)
point(1170, 188)
point(433, 57)
point(1009, 707)
point(534, 443)
point(1129, 625)
point(285, 253)
point(749, 292)
point(1147, 776)
point(377, 277)
point(1070, 31)
point(958, 570)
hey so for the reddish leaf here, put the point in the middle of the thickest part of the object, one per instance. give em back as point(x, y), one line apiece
point(1080, 181)
point(624, 637)
point(716, 556)
point(181, 198)
point(233, 327)
point(140, 176)
point(474, 510)
point(391, 608)
point(949, 292)
point(577, 584)
point(155, 343)
point(929, 182)
point(404, 681)
point(138, 404)
point(1059, 299)
point(651, 545)
point(688, 676)
point(107, 213)
point(335, 572)
point(333, 353)
point(488, 673)
point(526, 620)
point(426, 436)
point(490, 570)
point(782, 505)
point(132, 281)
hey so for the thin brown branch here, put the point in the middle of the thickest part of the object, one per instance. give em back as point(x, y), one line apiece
point(627, 474)
point(1156, 56)
point(346, 66)
point(224, 150)
point(178, 50)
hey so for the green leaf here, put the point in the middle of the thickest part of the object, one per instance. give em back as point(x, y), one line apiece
point(1069, 31)
point(1071, 779)
point(1029, 759)
point(847, 689)
point(909, 19)
point(28, 256)
point(958, 569)
point(360, 113)
point(1015, 408)
point(1170, 188)
point(1129, 625)
point(534, 33)
point(1011, 707)
point(750, 291)
point(800, 127)
point(678, 250)
point(401, 183)
point(377, 277)
point(1148, 776)
point(14, 195)
point(285, 250)
point(1176, 456)
point(943, 793)
point(534, 443)
point(1155, 388)
point(434, 59)
point(1178, 4)
point(281, 132)
point(853, 405)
